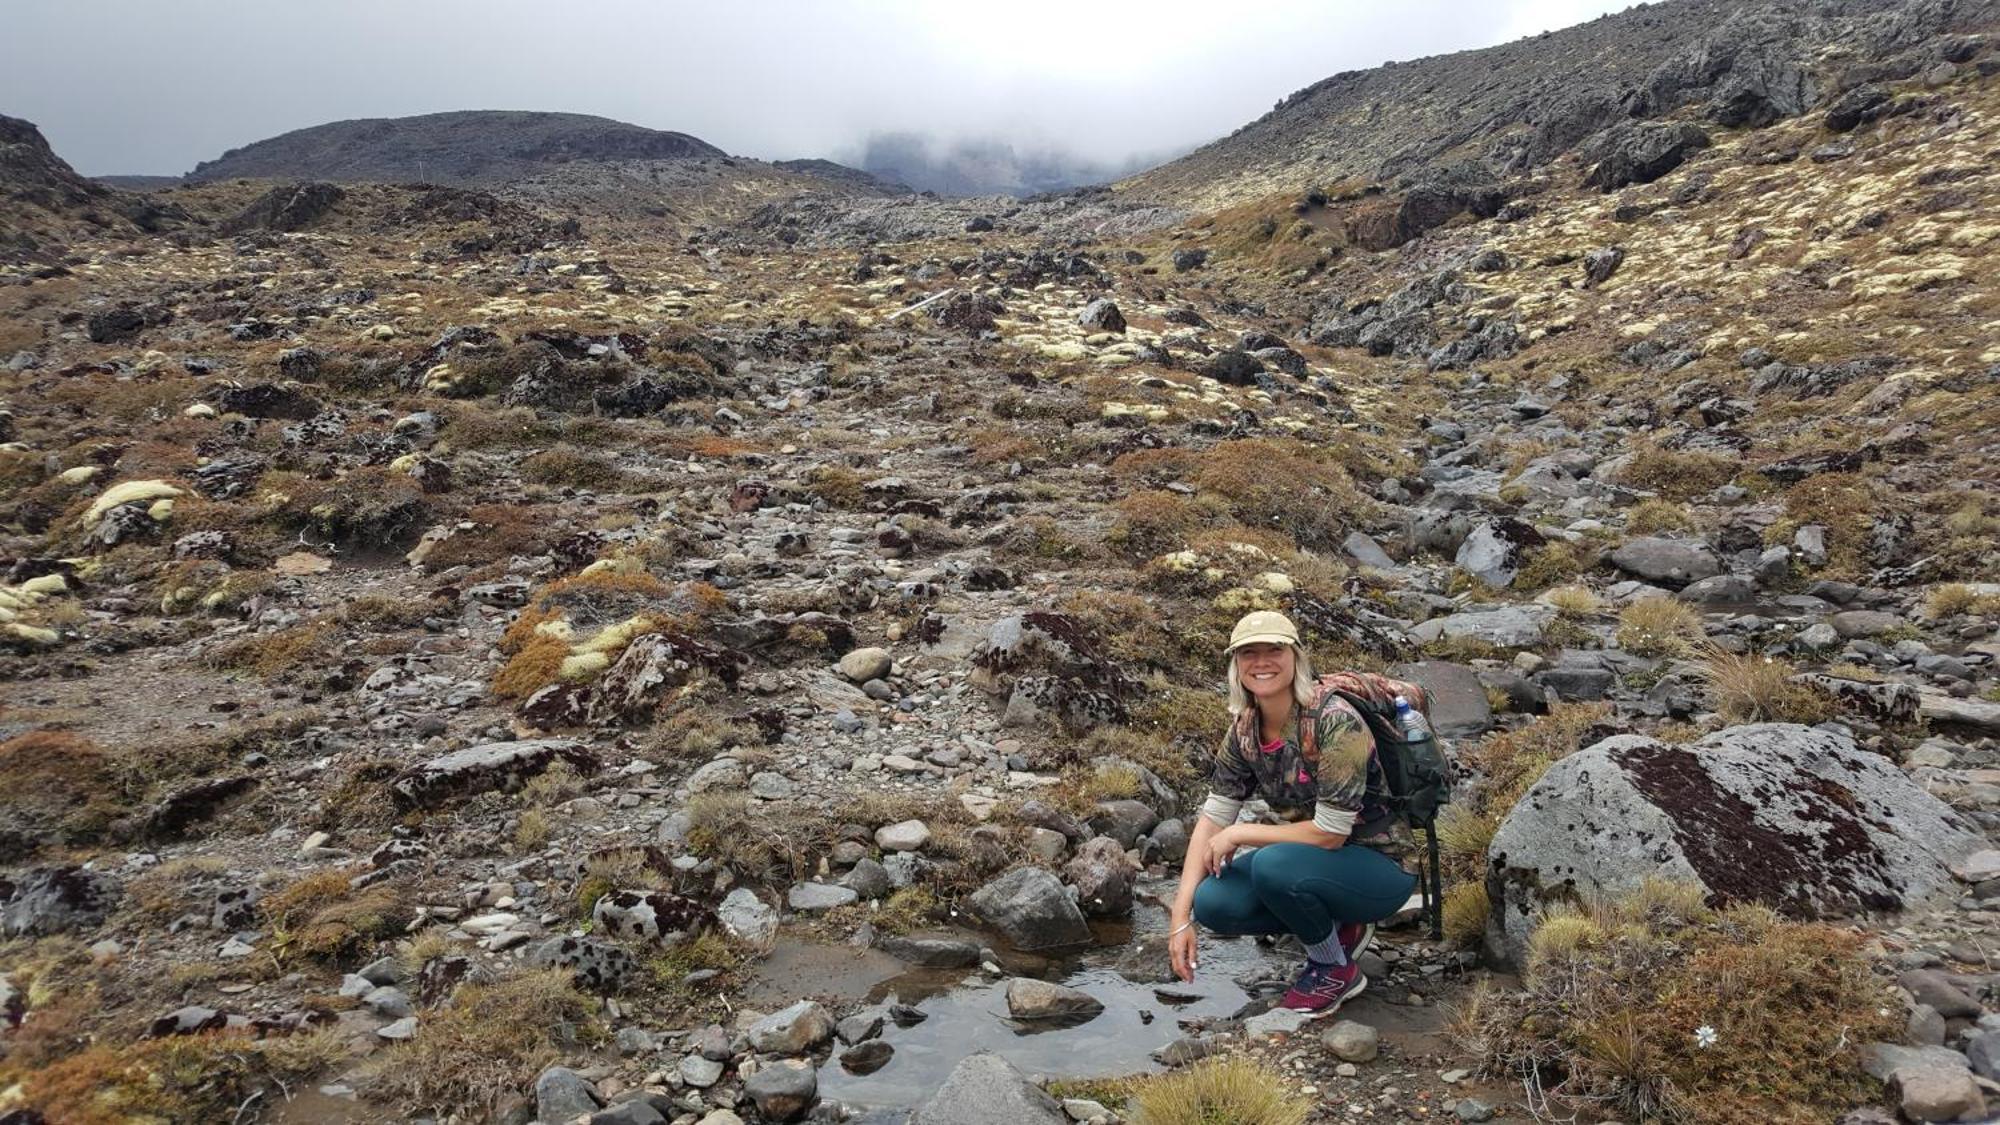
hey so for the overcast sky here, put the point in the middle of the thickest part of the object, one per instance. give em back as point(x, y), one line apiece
point(153, 86)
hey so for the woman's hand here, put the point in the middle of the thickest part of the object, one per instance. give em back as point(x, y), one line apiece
point(1221, 846)
point(1181, 950)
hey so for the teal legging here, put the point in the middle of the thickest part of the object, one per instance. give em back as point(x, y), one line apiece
point(1301, 890)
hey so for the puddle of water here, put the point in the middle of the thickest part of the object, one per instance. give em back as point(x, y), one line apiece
point(967, 1013)
point(307, 1106)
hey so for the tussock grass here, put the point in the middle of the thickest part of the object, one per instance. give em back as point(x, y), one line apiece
point(490, 1042)
point(1755, 688)
point(1575, 601)
point(1553, 563)
point(1650, 517)
point(322, 918)
point(182, 1078)
point(1659, 627)
point(1954, 598)
point(1219, 1091)
point(1615, 990)
point(1675, 475)
point(1466, 909)
point(273, 655)
point(1514, 760)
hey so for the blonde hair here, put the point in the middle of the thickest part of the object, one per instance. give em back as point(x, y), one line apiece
point(1302, 682)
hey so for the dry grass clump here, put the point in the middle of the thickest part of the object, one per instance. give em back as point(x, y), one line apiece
point(367, 508)
point(1219, 1091)
point(837, 485)
point(1552, 563)
point(1574, 601)
point(1675, 475)
point(273, 655)
point(1039, 537)
point(757, 848)
point(1284, 485)
point(1466, 909)
point(1954, 598)
point(564, 466)
point(323, 918)
point(531, 831)
point(490, 1042)
point(1659, 627)
point(1755, 688)
point(1154, 521)
point(909, 908)
point(1649, 517)
point(1511, 761)
point(699, 729)
point(1616, 992)
point(468, 426)
point(498, 532)
point(1843, 503)
point(384, 611)
point(182, 1078)
point(56, 787)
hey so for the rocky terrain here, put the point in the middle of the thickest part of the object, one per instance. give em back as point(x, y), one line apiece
point(733, 644)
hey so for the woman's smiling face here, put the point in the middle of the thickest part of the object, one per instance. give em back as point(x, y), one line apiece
point(1266, 670)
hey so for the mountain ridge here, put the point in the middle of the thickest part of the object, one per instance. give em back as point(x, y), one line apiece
point(459, 148)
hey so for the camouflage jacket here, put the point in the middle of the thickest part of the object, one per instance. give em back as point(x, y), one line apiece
point(1343, 792)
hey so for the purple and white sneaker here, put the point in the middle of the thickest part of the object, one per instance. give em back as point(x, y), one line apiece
point(1322, 989)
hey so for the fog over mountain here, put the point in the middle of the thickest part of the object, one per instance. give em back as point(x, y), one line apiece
point(1076, 92)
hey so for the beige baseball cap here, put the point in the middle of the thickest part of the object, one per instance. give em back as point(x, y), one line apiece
point(1263, 627)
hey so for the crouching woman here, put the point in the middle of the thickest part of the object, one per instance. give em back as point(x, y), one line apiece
point(1327, 876)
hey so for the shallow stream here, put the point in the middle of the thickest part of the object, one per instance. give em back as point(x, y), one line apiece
point(966, 1010)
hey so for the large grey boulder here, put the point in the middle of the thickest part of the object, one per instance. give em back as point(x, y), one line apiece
point(985, 1089)
point(1794, 817)
point(561, 1094)
point(1497, 549)
point(52, 900)
point(783, 1090)
point(1514, 626)
point(1030, 908)
point(1459, 707)
point(1669, 562)
point(1640, 153)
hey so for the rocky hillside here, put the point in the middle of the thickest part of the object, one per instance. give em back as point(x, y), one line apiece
point(1475, 119)
point(44, 202)
point(474, 147)
point(632, 647)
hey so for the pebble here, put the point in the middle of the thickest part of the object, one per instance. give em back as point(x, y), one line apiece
point(405, 1028)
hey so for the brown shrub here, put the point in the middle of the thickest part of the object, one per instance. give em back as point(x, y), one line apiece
point(273, 655)
point(1615, 995)
point(1754, 688)
point(1677, 475)
point(837, 485)
point(500, 531)
point(179, 1078)
point(55, 785)
point(490, 1042)
point(1154, 522)
point(321, 917)
point(1283, 485)
point(562, 466)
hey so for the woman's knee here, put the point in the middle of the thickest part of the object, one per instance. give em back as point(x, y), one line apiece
point(1220, 906)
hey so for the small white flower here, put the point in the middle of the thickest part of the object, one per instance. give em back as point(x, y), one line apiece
point(1704, 1036)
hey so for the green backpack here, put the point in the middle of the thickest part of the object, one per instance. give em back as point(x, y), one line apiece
point(1415, 773)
